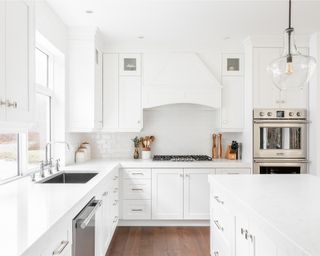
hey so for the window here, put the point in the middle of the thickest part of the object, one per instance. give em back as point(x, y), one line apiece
point(9, 155)
point(40, 134)
point(25, 150)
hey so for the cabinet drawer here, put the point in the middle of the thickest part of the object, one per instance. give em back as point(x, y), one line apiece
point(136, 209)
point(219, 246)
point(233, 171)
point(224, 221)
point(136, 189)
point(136, 173)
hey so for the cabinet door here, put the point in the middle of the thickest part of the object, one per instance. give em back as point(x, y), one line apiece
point(130, 110)
point(98, 90)
point(2, 62)
point(19, 40)
point(261, 243)
point(167, 194)
point(232, 103)
point(266, 94)
point(196, 194)
point(110, 92)
point(242, 233)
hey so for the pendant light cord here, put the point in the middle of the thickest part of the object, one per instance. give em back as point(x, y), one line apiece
point(289, 31)
point(289, 13)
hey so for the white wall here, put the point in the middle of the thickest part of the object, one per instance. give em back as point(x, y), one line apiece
point(179, 129)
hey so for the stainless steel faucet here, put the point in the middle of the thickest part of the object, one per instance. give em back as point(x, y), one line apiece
point(42, 165)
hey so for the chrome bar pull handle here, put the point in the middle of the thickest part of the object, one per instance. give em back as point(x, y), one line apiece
point(85, 223)
point(60, 248)
point(218, 200)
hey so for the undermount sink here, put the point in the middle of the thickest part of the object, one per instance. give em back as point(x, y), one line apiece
point(69, 177)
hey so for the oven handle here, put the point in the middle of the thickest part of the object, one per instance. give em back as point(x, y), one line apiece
point(275, 121)
point(85, 223)
point(281, 161)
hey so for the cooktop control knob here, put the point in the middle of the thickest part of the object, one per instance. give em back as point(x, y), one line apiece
point(291, 113)
point(261, 113)
point(298, 114)
point(269, 114)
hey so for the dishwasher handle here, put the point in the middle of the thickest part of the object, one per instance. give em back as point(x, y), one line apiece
point(86, 221)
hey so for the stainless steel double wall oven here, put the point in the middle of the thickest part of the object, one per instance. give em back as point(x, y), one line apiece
point(280, 141)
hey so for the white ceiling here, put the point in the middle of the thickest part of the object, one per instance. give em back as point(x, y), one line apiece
point(187, 22)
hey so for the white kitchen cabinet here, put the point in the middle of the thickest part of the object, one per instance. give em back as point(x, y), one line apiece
point(58, 241)
point(122, 107)
point(85, 81)
point(130, 110)
point(2, 61)
point(110, 92)
point(265, 93)
point(167, 194)
point(17, 61)
point(196, 194)
point(232, 103)
point(107, 214)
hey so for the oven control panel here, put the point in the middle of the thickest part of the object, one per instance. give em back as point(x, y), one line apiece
point(280, 114)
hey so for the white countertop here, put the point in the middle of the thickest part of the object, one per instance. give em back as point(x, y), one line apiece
point(29, 210)
point(289, 203)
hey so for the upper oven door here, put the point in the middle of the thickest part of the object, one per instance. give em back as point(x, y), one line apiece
point(280, 139)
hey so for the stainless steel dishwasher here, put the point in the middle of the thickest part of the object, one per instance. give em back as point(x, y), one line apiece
point(83, 230)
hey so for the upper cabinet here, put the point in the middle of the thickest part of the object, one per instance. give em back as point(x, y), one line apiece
point(85, 80)
point(122, 85)
point(232, 103)
point(173, 78)
point(265, 93)
point(17, 47)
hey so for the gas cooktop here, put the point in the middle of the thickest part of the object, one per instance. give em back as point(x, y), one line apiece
point(181, 158)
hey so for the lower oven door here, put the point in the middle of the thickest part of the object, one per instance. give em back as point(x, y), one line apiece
point(280, 139)
point(280, 167)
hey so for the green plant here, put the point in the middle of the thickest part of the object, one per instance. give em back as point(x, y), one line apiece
point(136, 142)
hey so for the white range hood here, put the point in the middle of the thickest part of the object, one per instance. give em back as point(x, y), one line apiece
point(175, 78)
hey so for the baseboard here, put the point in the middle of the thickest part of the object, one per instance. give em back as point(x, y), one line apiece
point(165, 223)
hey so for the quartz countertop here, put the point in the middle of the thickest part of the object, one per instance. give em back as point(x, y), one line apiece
point(30, 209)
point(288, 203)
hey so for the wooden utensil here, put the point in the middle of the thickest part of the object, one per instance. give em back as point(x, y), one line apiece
point(220, 146)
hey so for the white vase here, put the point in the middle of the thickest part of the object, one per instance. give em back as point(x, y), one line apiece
point(146, 155)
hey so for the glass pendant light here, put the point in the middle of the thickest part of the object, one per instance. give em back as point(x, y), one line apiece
point(292, 69)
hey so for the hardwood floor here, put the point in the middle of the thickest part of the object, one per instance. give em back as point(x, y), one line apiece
point(160, 241)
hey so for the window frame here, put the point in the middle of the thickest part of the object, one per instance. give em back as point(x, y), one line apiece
point(47, 91)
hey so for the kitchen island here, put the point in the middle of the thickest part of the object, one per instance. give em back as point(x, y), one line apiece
point(265, 215)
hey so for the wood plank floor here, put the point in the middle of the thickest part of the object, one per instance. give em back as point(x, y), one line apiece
point(160, 241)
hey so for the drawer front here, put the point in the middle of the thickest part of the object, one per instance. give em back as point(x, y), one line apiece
point(224, 222)
point(136, 173)
point(233, 171)
point(219, 246)
point(136, 209)
point(136, 189)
